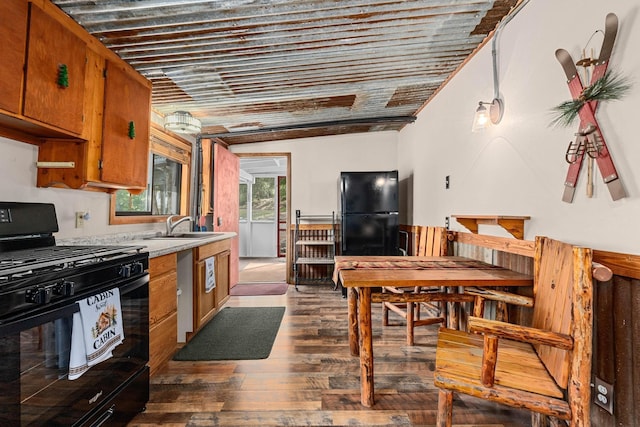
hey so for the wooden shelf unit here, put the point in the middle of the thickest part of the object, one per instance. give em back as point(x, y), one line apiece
point(513, 224)
point(314, 247)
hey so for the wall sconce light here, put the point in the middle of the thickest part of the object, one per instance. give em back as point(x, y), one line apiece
point(483, 118)
point(182, 122)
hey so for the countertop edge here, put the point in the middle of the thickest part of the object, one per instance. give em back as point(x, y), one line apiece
point(155, 247)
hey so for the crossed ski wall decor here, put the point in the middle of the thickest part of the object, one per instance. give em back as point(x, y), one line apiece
point(589, 139)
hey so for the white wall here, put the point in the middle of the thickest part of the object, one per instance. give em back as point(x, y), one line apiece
point(518, 167)
point(18, 184)
point(316, 164)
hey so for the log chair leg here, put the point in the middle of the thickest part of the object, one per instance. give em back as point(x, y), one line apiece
point(478, 307)
point(410, 314)
point(445, 408)
point(385, 314)
point(539, 420)
point(502, 313)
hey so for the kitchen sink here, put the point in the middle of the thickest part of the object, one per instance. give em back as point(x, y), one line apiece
point(191, 235)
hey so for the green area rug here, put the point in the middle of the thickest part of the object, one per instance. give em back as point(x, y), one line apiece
point(236, 333)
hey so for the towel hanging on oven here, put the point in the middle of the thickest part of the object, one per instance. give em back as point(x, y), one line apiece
point(97, 330)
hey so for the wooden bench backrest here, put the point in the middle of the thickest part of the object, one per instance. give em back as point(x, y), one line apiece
point(432, 241)
point(557, 296)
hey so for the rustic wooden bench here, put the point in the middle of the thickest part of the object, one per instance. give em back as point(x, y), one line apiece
point(545, 367)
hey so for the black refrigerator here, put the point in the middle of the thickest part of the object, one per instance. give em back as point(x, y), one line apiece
point(369, 221)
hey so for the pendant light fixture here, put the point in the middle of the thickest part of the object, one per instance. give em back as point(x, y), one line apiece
point(182, 122)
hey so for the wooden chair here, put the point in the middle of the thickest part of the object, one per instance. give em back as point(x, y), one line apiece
point(546, 367)
point(430, 241)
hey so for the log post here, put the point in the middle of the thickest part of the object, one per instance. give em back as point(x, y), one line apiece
point(489, 359)
point(366, 347)
point(445, 408)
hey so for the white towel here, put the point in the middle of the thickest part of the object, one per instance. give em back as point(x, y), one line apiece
point(97, 330)
point(210, 274)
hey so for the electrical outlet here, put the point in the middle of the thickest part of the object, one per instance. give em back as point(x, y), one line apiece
point(603, 395)
point(446, 182)
point(79, 219)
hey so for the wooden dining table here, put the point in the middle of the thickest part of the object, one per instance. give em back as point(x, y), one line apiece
point(361, 274)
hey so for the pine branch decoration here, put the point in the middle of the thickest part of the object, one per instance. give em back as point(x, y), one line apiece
point(609, 87)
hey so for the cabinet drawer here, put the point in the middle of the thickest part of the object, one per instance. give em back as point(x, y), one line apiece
point(162, 342)
point(162, 264)
point(206, 251)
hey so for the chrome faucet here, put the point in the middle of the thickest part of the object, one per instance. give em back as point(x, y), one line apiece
point(171, 225)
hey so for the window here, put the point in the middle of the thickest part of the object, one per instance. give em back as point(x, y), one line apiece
point(167, 191)
point(163, 199)
point(243, 201)
point(263, 199)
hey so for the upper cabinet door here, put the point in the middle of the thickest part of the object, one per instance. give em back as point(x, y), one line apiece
point(125, 138)
point(13, 33)
point(55, 74)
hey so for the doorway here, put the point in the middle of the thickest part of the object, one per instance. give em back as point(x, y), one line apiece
point(264, 196)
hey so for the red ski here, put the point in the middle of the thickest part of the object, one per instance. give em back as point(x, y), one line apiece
point(589, 136)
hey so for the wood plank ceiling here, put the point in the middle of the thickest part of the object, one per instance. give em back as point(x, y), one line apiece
point(261, 70)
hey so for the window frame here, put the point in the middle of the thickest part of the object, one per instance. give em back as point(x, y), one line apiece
point(172, 147)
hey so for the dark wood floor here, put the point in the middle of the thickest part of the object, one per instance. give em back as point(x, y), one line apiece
point(311, 380)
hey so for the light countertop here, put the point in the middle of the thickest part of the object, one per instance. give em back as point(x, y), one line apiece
point(150, 242)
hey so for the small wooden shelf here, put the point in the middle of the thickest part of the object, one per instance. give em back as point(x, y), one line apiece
point(513, 224)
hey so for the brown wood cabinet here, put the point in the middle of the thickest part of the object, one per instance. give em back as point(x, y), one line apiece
point(55, 74)
point(125, 137)
point(163, 310)
point(37, 41)
point(13, 33)
point(78, 101)
point(116, 154)
point(206, 304)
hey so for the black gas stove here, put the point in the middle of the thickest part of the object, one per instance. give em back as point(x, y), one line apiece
point(34, 271)
point(42, 286)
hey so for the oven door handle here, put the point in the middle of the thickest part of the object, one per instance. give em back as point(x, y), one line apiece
point(21, 323)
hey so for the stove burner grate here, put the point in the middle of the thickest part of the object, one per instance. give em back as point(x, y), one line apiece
point(60, 257)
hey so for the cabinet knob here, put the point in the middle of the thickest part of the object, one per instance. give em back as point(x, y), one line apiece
point(63, 76)
point(132, 130)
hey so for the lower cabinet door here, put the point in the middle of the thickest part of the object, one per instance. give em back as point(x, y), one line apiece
point(204, 302)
